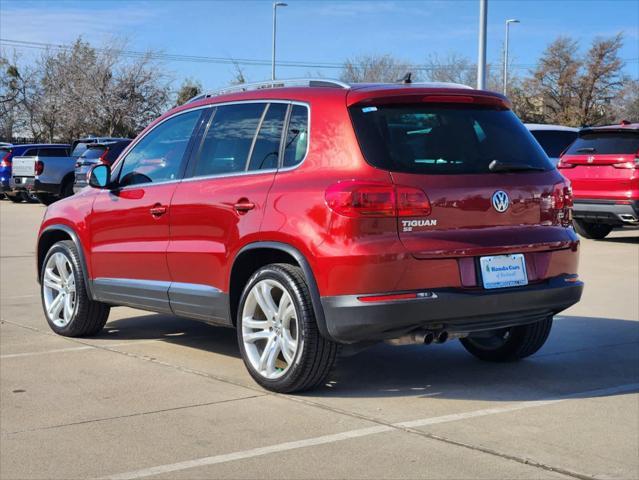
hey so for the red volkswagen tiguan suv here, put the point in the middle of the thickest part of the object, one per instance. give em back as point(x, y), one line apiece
point(312, 214)
point(603, 167)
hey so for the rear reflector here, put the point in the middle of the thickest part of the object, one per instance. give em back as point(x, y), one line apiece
point(397, 296)
point(354, 198)
point(38, 167)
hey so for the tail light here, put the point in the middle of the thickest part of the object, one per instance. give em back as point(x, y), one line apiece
point(372, 199)
point(563, 164)
point(103, 158)
point(6, 160)
point(38, 167)
point(629, 164)
point(562, 203)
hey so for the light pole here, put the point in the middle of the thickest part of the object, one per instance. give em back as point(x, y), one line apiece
point(508, 22)
point(481, 57)
point(275, 5)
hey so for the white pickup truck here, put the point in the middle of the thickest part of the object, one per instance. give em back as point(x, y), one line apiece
point(28, 172)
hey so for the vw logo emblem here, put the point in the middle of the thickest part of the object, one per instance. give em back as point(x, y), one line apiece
point(500, 201)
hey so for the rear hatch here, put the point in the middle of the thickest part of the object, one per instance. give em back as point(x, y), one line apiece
point(23, 166)
point(490, 186)
point(603, 164)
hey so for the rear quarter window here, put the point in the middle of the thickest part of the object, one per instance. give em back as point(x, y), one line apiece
point(604, 143)
point(443, 139)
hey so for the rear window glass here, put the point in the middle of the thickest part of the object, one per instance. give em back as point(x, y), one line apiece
point(443, 139)
point(93, 153)
point(605, 143)
point(79, 149)
point(554, 142)
point(53, 152)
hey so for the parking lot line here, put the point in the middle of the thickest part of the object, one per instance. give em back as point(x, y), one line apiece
point(362, 432)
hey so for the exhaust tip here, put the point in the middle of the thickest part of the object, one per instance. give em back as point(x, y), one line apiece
point(428, 338)
point(441, 337)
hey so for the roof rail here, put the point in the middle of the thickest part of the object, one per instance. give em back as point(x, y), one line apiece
point(294, 82)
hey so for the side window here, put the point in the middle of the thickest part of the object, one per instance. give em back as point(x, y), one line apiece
point(158, 156)
point(266, 150)
point(52, 152)
point(227, 143)
point(296, 137)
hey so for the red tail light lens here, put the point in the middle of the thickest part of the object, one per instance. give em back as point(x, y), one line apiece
point(6, 160)
point(369, 199)
point(38, 167)
point(412, 202)
point(103, 158)
point(361, 199)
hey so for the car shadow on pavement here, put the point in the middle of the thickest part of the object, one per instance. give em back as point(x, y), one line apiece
point(583, 354)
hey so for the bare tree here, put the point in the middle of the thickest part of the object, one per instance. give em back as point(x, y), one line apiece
point(189, 89)
point(374, 68)
point(625, 106)
point(238, 74)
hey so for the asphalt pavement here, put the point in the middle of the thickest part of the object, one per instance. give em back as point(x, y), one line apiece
point(156, 396)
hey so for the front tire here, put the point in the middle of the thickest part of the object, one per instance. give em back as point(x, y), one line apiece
point(67, 306)
point(509, 344)
point(593, 231)
point(277, 331)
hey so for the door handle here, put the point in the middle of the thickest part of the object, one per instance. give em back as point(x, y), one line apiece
point(158, 210)
point(243, 206)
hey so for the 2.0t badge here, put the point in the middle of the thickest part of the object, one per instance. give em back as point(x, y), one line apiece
point(500, 201)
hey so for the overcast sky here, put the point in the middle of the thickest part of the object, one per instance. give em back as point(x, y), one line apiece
point(318, 32)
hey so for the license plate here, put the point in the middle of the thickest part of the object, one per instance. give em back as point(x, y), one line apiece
point(501, 271)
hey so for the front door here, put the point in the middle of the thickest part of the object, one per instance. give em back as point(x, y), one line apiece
point(129, 224)
point(220, 205)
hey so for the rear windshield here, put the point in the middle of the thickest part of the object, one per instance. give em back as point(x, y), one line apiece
point(554, 141)
point(605, 143)
point(79, 148)
point(93, 153)
point(443, 139)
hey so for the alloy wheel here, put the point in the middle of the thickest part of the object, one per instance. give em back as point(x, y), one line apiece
point(58, 287)
point(270, 329)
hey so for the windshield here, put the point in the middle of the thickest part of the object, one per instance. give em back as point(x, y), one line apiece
point(443, 139)
point(619, 143)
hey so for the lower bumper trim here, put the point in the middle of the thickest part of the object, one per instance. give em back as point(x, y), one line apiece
point(349, 320)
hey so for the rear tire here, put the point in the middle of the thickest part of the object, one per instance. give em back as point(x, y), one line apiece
point(301, 358)
point(67, 189)
point(15, 198)
point(62, 275)
point(594, 231)
point(509, 344)
point(46, 198)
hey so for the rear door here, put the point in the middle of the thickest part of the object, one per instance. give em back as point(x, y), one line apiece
point(445, 150)
point(601, 164)
point(129, 225)
point(220, 206)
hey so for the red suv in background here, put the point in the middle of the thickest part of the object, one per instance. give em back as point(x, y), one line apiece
point(309, 214)
point(603, 168)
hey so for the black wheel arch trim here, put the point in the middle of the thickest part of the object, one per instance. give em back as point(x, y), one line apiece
point(318, 310)
point(76, 240)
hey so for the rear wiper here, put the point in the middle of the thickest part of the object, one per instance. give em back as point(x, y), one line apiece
point(498, 166)
point(587, 149)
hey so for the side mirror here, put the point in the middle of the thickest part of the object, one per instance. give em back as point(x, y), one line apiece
point(100, 176)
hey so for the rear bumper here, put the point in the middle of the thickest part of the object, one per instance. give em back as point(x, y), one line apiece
point(21, 183)
point(607, 211)
point(349, 320)
point(41, 187)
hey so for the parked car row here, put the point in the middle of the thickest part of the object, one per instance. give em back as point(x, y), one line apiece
point(49, 172)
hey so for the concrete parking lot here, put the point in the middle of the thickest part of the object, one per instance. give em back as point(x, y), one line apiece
point(161, 397)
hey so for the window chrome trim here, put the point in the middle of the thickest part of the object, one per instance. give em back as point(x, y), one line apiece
point(223, 175)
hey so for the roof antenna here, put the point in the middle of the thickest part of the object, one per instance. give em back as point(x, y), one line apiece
point(407, 78)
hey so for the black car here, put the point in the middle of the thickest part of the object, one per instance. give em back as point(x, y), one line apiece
point(106, 152)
